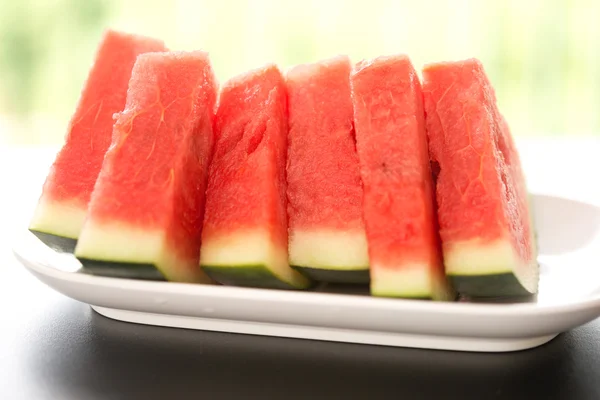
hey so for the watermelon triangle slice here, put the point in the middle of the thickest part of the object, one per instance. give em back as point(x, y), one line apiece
point(485, 220)
point(399, 210)
point(327, 233)
point(146, 211)
point(61, 209)
point(244, 239)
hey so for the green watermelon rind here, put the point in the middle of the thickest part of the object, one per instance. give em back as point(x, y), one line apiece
point(127, 270)
point(358, 275)
point(56, 242)
point(254, 275)
point(499, 284)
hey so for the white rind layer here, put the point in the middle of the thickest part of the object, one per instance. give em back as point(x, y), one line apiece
point(121, 243)
point(239, 248)
point(249, 248)
point(411, 281)
point(329, 249)
point(478, 258)
point(118, 242)
point(58, 218)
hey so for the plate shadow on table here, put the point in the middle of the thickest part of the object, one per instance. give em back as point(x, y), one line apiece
point(97, 357)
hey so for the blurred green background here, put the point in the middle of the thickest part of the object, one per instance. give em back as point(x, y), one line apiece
point(543, 57)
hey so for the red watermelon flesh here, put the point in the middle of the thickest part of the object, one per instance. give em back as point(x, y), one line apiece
point(62, 207)
point(325, 191)
point(244, 240)
point(484, 216)
point(147, 206)
point(399, 211)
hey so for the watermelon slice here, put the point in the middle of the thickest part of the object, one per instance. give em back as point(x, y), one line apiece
point(327, 233)
point(485, 224)
point(146, 211)
point(62, 206)
point(244, 239)
point(399, 211)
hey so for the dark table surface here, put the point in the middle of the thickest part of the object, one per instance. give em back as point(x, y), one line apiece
point(53, 347)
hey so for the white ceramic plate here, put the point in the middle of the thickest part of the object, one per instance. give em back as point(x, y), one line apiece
point(569, 240)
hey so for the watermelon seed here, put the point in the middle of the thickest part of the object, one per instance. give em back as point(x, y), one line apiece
point(435, 170)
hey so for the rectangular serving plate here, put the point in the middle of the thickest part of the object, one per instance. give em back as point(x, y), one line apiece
point(569, 296)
